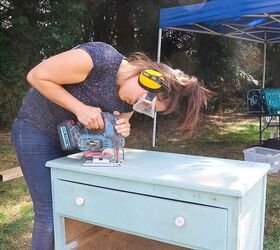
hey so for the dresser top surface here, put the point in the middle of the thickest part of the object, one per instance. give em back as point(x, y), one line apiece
point(207, 174)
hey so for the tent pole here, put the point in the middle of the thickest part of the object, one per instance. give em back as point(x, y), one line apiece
point(264, 59)
point(262, 119)
point(159, 44)
point(158, 60)
point(154, 130)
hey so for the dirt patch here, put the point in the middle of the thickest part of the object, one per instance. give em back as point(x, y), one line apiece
point(5, 138)
point(227, 117)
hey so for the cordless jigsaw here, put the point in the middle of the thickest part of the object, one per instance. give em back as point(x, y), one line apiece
point(103, 148)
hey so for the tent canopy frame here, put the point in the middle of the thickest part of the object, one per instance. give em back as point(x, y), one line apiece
point(262, 27)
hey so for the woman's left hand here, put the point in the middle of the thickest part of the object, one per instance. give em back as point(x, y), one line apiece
point(122, 125)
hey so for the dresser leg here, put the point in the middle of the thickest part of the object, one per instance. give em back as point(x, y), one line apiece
point(59, 232)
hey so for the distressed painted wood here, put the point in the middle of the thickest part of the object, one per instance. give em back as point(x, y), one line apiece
point(10, 174)
point(108, 239)
point(189, 201)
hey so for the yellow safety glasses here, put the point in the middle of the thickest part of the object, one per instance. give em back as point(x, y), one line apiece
point(152, 80)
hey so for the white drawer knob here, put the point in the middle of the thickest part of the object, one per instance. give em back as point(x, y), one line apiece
point(80, 201)
point(180, 221)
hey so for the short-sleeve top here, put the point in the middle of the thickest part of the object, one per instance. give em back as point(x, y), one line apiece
point(97, 90)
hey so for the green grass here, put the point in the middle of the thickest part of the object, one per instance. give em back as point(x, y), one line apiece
point(272, 225)
point(223, 136)
point(272, 241)
point(16, 215)
point(216, 138)
point(7, 157)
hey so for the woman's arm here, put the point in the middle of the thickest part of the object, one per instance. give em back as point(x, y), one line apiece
point(69, 67)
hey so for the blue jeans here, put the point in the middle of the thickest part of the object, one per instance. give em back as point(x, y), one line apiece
point(34, 148)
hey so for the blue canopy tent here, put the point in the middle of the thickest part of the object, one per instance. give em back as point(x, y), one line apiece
point(251, 20)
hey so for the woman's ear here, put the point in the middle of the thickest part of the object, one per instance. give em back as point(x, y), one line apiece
point(161, 105)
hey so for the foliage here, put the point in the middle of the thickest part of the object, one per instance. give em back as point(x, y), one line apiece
point(219, 63)
point(32, 30)
point(273, 54)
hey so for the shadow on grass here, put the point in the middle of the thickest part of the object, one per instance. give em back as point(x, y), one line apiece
point(13, 191)
point(273, 241)
point(272, 219)
point(7, 157)
point(10, 231)
point(16, 215)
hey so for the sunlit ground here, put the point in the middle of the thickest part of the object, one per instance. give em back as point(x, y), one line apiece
point(224, 136)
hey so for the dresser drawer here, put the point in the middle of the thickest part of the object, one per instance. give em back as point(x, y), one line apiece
point(176, 222)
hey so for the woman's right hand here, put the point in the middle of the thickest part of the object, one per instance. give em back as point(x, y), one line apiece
point(90, 117)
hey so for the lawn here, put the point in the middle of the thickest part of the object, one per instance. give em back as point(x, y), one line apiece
point(225, 136)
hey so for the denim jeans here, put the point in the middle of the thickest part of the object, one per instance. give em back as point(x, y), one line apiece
point(34, 148)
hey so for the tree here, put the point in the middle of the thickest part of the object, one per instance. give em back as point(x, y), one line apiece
point(32, 30)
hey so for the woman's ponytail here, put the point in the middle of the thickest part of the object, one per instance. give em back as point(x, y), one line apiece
point(187, 101)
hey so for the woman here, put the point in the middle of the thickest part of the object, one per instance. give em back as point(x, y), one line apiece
point(80, 84)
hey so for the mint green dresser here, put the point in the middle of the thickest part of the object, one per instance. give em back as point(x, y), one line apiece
point(188, 201)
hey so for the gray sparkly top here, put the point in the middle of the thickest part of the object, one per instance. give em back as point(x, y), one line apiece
point(98, 90)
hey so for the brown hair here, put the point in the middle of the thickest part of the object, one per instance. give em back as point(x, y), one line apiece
point(187, 96)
